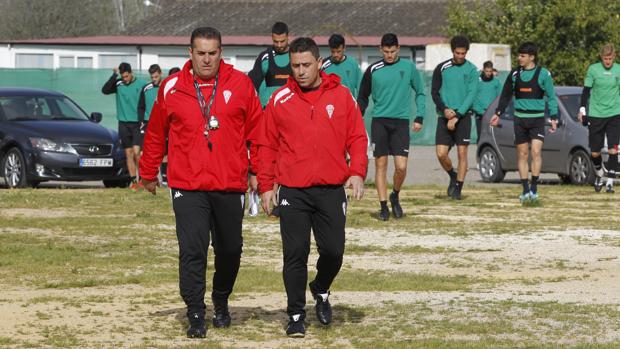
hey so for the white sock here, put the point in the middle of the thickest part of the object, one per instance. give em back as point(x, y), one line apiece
point(599, 173)
point(324, 296)
point(610, 181)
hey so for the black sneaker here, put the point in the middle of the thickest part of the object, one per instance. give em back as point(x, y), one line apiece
point(456, 194)
point(451, 187)
point(384, 214)
point(221, 316)
point(396, 209)
point(598, 184)
point(295, 327)
point(197, 326)
point(322, 307)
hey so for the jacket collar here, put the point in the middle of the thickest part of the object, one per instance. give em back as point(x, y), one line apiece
point(329, 81)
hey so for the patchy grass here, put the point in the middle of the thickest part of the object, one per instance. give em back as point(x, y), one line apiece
point(98, 268)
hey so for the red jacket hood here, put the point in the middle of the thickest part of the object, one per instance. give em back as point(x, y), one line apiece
point(330, 81)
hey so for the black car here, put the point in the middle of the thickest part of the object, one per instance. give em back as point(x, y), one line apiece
point(46, 136)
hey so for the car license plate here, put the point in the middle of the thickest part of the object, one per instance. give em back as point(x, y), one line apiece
point(96, 162)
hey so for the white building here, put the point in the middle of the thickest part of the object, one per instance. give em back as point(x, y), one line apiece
point(103, 52)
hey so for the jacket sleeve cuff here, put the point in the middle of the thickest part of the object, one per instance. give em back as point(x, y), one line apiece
point(419, 120)
point(553, 117)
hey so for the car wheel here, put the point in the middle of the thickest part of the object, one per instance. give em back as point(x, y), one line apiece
point(14, 169)
point(116, 183)
point(580, 169)
point(489, 166)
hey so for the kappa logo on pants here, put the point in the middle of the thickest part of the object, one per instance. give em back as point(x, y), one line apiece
point(284, 202)
point(177, 194)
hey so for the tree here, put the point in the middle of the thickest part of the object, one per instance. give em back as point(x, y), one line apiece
point(569, 33)
point(38, 19)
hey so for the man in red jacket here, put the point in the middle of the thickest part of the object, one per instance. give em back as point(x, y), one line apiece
point(309, 126)
point(208, 112)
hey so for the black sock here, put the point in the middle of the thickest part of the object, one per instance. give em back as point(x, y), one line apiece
point(612, 163)
point(534, 185)
point(133, 178)
point(597, 162)
point(526, 186)
point(383, 204)
point(452, 174)
point(395, 192)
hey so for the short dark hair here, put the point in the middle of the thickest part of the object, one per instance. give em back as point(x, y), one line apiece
point(205, 33)
point(459, 41)
point(336, 40)
point(389, 39)
point(279, 28)
point(529, 48)
point(154, 68)
point(174, 70)
point(124, 68)
point(304, 44)
point(487, 64)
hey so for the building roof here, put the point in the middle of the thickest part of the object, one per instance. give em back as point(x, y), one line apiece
point(406, 18)
point(226, 40)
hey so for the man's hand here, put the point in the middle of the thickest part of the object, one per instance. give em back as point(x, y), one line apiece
point(449, 113)
point(357, 183)
point(494, 120)
point(580, 117)
point(452, 123)
point(115, 70)
point(554, 125)
point(269, 197)
point(151, 186)
point(253, 182)
point(417, 127)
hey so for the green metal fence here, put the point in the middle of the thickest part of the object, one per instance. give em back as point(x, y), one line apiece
point(84, 87)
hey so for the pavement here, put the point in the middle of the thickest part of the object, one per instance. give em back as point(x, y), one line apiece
point(423, 168)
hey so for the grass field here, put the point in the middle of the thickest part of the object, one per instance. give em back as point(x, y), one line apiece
point(95, 268)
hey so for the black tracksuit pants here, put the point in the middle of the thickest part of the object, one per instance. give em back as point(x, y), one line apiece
point(200, 215)
point(322, 209)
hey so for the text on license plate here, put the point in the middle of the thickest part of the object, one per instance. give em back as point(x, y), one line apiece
point(96, 162)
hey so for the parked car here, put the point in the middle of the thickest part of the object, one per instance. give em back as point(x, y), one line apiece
point(565, 152)
point(45, 136)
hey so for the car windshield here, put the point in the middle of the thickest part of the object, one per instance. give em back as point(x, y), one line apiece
point(15, 108)
point(571, 103)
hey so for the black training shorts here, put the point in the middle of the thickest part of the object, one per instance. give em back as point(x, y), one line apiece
point(129, 133)
point(389, 136)
point(599, 128)
point(460, 135)
point(527, 129)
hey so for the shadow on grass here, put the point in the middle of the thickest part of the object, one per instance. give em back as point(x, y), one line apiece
point(342, 314)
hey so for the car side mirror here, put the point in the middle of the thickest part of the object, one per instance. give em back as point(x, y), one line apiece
point(96, 117)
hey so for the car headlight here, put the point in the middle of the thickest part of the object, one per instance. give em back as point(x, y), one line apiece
point(49, 145)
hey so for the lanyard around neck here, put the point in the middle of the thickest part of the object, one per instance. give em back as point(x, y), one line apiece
point(204, 107)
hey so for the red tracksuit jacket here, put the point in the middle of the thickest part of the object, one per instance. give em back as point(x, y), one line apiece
point(303, 144)
point(176, 115)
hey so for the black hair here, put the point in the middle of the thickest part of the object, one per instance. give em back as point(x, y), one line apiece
point(336, 40)
point(154, 68)
point(459, 41)
point(124, 68)
point(389, 39)
point(279, 28)
point(487, 64)
point(529, 48)
point(304, 44)
point(205, 33)
point(174, 70)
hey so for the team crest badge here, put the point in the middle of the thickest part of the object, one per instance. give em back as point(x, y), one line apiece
point(227, 95)
point(330, 110)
